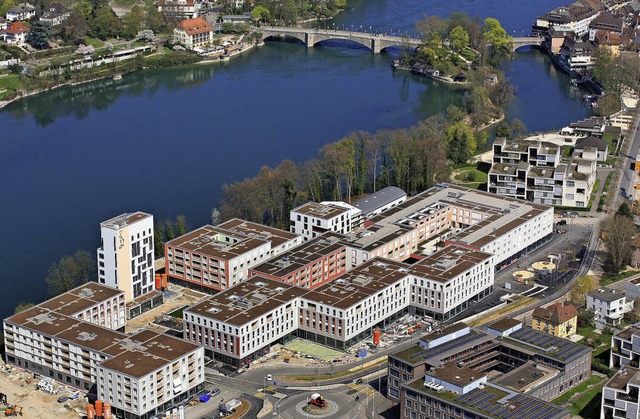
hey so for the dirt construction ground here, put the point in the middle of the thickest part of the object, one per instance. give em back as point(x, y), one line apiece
point(35, 403)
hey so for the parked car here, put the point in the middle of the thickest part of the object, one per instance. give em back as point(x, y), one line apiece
point(269, 377)
point(358, 381)
point(214, 392)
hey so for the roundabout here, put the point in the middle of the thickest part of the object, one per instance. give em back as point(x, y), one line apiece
point(338, 405)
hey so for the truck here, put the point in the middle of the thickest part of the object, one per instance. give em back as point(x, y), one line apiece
point(317, 400)
point(230, 406)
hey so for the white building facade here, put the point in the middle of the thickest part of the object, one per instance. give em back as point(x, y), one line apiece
point(312, 219)
point(609, 306)
point(125, 257)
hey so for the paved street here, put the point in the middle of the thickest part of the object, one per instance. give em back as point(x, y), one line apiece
point(627, 181)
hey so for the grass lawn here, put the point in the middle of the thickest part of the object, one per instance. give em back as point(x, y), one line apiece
point(96, 43)
point(471, 176)
point(610, 138)
point(590, 333)
point(610, 279)
point(315, 350)
point(178, 313)
point(11, 82)
point(587, 404)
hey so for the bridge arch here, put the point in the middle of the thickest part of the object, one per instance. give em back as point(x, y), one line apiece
point(299, 37)
point(322, 38)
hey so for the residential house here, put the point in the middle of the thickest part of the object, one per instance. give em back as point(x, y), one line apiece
point(16, 33)
point(594, 126)
point(193, 33)
point(609, 306)
point(555, 38)
point(559, 319)
point(621, 395)
point(3, 23)
point(607, 23)
point(625, 348)
point(575, 18)
point(217, 258)
point(508, 356)
point(23, 11)
point(534, 169)
point(178, 9)
point(55, 14)
point(312, 219)
point(600, 145)
point(577, 55)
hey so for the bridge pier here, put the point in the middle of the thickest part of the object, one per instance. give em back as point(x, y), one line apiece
point(375, 45)
point(309, 40)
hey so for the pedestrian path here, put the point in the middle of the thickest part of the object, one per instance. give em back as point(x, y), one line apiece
point(366, 390)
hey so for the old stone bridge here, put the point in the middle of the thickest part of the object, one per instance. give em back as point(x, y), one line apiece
point(310, 37)
point(376, 42)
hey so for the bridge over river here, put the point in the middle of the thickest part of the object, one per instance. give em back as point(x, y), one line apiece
point(376, 42)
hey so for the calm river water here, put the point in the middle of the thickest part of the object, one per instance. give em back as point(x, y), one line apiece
point(165, 141)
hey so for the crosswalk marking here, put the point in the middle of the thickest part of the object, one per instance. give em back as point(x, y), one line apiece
point(368, 391)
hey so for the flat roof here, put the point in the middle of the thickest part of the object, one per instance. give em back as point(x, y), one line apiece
point(80, 298)
point(147, 351)
point(493, 402)
point(323, 211)
point(504, 324)
point(301, 256)
point(628, 332)
point(498, 215)
point(276, 236)
point(247, 301)
point(353, 287)
point(546, 344)
point(216, 242)
point(457, 375)
point(526, 376)
point(607, 294)
point(429, 337)
point(124, 220)
point(379, 199)
point(448, 263)
point(626, 375)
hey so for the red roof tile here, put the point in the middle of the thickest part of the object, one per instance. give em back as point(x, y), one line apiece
point(557, 313)
point(16, 28)
point(195, 26)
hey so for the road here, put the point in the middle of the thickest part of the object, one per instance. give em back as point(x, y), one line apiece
point(629, 157)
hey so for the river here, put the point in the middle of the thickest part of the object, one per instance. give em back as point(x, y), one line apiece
point(164, 141)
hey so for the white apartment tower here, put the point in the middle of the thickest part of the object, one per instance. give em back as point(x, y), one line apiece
point(125, 256)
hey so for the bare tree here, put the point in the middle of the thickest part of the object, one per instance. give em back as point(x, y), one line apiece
point(619, 233)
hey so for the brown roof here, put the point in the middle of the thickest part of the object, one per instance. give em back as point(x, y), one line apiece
point(557, 313)
point(195, 26)
point(16, 28)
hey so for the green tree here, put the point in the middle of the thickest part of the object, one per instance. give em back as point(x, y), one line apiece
point(455, 114)
point(461, 142)
point(624, 210)
point(22, 307)
point(503, 130)
point(260, 13)
point(459, 38)
point(6, 5)
point(432, 27)
point(583, 286)
point(498, 41)
point(70, 272)
point(182, 225)
point(39, 35)
point(518, 128)
point(105, 24)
